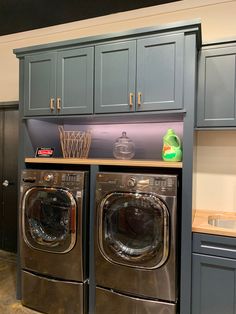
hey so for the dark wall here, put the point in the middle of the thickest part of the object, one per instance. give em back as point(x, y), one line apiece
point(21, 15)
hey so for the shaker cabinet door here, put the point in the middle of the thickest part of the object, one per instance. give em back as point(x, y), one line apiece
point(160, 66)
point(213, 285)
point(217, 87)
point(75, 81)
point(40, 84)
point(115, 66)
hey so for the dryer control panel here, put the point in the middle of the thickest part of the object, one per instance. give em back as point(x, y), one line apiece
point(158, 183)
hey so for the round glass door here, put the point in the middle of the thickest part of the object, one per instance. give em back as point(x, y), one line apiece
point(49, 219)
point(134, 229)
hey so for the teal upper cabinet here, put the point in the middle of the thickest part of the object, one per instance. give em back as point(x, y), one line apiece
point(216, 105)
point(75, 81)
point(142, 75)
point(59, 82)
point(160, 68)
point(40, 84)
point(135, 71)
point(115, 66)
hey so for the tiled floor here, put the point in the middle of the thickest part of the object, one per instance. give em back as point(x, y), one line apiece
point(9, 304)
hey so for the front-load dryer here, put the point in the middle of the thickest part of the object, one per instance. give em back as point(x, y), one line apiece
point(53, 248)
point(136, 264)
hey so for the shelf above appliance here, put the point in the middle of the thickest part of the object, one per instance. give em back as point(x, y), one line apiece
point(107, 162)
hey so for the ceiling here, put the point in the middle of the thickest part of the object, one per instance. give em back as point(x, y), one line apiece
point(22, 15)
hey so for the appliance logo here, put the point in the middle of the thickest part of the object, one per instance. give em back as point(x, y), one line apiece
point(44, 152)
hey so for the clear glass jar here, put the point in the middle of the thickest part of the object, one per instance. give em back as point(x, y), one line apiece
point(123, 147)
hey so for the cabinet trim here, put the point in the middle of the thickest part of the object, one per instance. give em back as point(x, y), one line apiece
point(193, 26)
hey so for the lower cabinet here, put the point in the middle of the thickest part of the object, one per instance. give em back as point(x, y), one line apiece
point(213, 277)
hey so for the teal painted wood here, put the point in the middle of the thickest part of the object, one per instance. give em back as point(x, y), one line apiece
point(213, 286)
point(160, 66)
point(75, 80)
point(189, 26)
point(189, 96)
point(214, 245)
point(216, 106)
point(39, 83)
point(115, 77)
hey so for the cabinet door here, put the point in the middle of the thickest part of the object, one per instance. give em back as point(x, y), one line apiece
point(160, 62)
point(75, 81)
point(39, 84)
point(213, 285)
point(115, 77)
point(217, 87)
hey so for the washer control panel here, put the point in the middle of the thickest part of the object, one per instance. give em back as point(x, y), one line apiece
point(65, 179)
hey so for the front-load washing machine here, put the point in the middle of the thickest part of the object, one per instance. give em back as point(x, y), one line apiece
point(136, 264)
point(53, 244)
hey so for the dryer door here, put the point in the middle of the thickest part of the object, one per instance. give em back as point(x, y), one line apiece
point(49, 219)
point(134, 229)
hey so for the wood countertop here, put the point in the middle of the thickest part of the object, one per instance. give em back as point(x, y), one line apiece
point(201, 225)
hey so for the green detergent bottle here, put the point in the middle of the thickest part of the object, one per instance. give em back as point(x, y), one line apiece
point(171, 150)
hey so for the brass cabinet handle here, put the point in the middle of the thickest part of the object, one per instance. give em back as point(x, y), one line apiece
point(139, 99)
point(51, 105)
point(58, 103)
point(131, 100)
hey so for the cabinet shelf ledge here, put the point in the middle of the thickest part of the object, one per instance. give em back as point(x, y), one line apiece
point(107, 162)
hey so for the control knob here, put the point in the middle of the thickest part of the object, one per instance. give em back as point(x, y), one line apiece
point(131, 182)
point(48, 177)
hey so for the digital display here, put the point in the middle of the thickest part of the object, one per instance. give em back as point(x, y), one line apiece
point(70, 177)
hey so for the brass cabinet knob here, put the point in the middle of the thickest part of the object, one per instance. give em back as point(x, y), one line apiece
point(131, 100)
point(58, 103)
point(51, 104)
point(139, 99)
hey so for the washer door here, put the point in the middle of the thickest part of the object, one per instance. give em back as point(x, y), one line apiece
point(49, 219)
point(134, 229)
